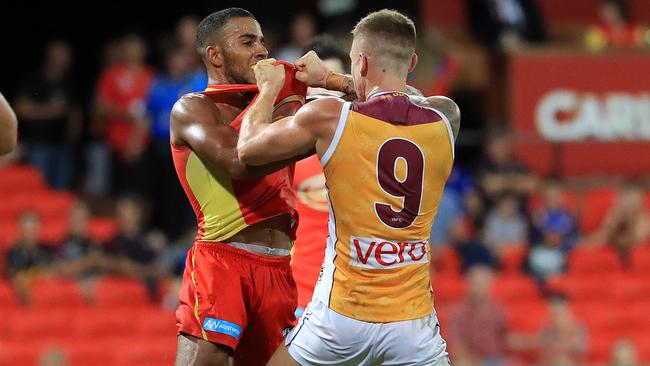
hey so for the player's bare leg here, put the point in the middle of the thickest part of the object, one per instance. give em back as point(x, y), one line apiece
point(186, 349)
point(194, 351)
point(281, 357)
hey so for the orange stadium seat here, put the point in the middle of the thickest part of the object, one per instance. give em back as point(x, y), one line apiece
point(583, 287)
point(53, 230)
point(54, 204)
point(17, 353)
point(526, 317)
point(446, 261)
point(512, 259)
point(56, 293)
point(120, 292)
point(516, 288)
point(15, 204)
point(8, 298)
point(596, 204)
point(631, 289)
point(20, 178)
point(594, 261)
point(599, 349)
point(448, 288)
point(640, 261)
point(101, 229)
point(153, 321)
point(103, 324)
point(90, 353)
point(38, 325)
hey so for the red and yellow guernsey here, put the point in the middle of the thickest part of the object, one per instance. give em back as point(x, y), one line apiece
point(386, 169)
point(223, 205)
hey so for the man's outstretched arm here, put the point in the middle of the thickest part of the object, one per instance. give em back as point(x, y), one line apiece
point(8, 127)
point(261, 141)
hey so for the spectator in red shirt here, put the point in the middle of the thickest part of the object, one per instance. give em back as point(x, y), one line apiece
point(120, 111)
point(477, 326)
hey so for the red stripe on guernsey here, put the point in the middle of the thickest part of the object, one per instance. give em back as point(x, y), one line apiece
point(180, 154)
point(397, 109)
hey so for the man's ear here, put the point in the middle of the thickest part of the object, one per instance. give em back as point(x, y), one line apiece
point(364, 64)
point(214, 55)
point(414, 61)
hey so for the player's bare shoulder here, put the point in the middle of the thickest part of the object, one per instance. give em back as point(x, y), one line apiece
point(321, 110)
point(443, 105)
point(191, 110)
point(192, 105)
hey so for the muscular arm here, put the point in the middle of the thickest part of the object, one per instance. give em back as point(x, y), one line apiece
point(262, 142)
point(197, 122)
point(8, 127)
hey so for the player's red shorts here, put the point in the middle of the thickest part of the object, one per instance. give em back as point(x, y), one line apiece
point(238, 299)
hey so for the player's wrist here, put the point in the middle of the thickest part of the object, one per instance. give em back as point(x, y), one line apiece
point(338, 82)
point(323, 82)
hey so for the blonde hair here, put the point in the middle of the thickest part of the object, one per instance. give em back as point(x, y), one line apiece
point(389, 36)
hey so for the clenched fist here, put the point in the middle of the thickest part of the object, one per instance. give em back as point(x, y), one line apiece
point(312, 71)
point(269, 77)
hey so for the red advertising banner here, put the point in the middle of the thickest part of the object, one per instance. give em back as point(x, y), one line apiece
point(582, 114)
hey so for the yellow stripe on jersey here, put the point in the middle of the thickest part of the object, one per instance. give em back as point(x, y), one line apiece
point(214, 192)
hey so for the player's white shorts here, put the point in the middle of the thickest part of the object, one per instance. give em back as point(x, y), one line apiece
point(325, 337)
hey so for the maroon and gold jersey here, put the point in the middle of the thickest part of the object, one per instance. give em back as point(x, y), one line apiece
point(386, 168)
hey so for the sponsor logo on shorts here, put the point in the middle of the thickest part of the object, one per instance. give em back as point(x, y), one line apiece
point(222, 326)
point(382, 253)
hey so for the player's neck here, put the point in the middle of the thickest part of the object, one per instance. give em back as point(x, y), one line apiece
point(383, 86)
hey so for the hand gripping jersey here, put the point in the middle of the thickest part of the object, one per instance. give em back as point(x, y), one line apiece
point(386, 169)
point(223, 205)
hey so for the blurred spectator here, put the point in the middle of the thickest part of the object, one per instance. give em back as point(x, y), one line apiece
point(470, 249)
point(554, 222)
point(502, 173)
point(476, 328)
point(563, 341)
point(185, 37)
point(303, 28)
point(504, 225)
point(120, 111)
point(180, 77)
point(53, 356)
point(475, 207)
point(78, 256)
point(50, 119)
point(27, 258)
point(459, 186)
point(627, 224)
point(624, 354)
point(616, 28)
point(506, 24)
point(130, 252)
point(546, 259)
